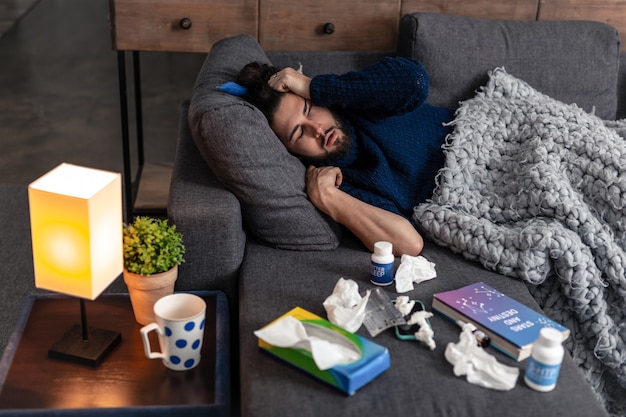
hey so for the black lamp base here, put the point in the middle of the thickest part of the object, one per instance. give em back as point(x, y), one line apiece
point(73, 348)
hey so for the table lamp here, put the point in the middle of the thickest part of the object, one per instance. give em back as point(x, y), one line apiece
point(76, 228)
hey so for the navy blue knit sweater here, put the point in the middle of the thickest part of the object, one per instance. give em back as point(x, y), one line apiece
point(397, 138)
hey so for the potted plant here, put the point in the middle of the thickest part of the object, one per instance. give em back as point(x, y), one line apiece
point(153, 249)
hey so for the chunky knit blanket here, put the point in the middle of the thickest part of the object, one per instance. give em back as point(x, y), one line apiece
point(536, 189)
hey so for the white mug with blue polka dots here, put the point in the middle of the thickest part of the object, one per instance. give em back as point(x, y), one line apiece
point(180, 327)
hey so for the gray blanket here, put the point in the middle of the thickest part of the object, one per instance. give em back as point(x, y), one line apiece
point(536, 189)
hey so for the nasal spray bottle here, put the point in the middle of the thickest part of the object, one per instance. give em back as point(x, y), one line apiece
point(545, 360)
point(381, 271)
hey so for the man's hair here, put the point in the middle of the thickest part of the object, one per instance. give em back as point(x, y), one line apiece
point(254, 77)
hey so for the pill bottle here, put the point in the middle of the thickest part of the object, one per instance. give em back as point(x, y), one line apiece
point(545, 360)
point(381, 270)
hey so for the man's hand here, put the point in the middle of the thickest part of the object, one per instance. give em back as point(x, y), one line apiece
point(320, 183)
point(369, 223)
point(290, 80)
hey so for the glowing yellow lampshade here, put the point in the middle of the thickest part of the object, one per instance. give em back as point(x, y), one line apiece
point(76, 227)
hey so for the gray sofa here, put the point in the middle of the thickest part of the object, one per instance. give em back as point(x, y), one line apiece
point(239, 200)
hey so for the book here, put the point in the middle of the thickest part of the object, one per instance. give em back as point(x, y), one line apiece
point(512, 326)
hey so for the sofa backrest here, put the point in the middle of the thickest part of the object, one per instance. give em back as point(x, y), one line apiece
point(572, 61)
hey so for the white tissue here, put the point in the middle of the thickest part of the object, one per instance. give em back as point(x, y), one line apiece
point(413, 269)
point(404, 305)
point(326, 346)
point(425, 334)
point(345, 307)
point(480, 367)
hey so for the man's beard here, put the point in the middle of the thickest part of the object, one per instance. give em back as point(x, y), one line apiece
point(344, 138)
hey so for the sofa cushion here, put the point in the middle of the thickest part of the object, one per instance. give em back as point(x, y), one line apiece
point(572, 61)
point(246, 156)
point(420, 382)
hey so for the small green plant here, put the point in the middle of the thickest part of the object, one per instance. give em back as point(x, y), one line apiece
point(152, 246)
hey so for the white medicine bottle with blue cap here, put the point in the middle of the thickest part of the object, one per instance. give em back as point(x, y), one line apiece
point(381, 270)
point(544, 364)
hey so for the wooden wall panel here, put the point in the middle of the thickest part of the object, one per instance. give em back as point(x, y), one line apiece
point(612, 12)
point(484, 9)
point(154, 25)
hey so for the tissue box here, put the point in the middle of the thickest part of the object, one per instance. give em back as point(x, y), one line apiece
point(348, 378)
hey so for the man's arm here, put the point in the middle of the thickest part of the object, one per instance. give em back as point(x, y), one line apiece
point(369, 223)
point(390, 87)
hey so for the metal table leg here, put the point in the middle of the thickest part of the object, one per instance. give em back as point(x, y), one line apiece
point(130, 183)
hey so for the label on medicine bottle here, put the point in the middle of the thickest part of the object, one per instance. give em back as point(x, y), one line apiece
point(541, 376)
point(544, 364)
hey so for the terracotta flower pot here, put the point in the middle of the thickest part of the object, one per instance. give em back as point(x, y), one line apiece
point(145, 290)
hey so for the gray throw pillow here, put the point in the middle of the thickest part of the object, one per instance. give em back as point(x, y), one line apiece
point(571, 61)
point(246, 156)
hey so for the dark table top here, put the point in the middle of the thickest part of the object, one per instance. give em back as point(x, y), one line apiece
point(126, 379)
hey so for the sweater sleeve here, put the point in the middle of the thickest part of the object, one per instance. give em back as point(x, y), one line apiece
point(392, 86)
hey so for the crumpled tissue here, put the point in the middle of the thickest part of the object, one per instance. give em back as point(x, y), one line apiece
point(413, 269)
point(404, 305)
point(345, 307)
point(480, 367)
point(290, 332)
point(425, 334)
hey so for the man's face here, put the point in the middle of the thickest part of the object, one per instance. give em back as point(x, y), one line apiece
point(309, 131)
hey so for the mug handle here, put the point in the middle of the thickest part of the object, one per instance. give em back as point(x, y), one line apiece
point(146, 341)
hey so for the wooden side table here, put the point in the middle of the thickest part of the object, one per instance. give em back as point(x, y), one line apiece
point(165, 26)
point(126, 381)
